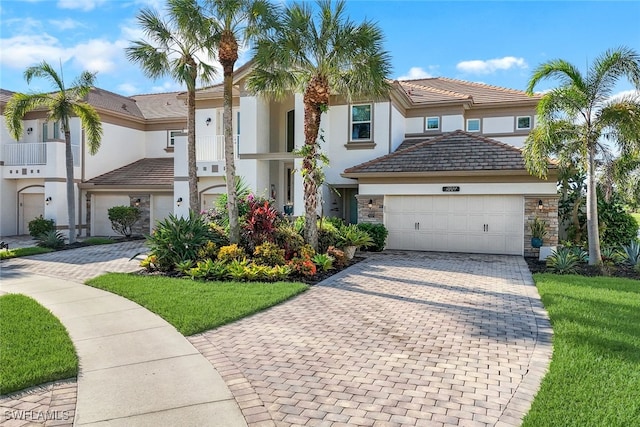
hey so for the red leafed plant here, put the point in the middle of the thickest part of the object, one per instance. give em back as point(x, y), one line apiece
point(260, 226)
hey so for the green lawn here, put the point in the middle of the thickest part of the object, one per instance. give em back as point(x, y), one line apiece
point(18, 252)
point(193, 306)
point(594, 376)
point(34, 346)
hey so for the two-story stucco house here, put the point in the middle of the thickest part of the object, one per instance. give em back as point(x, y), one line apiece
point(437, 161)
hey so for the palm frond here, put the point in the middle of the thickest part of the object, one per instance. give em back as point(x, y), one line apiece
point(19, 105)
point(559, 69)
point(91, 124)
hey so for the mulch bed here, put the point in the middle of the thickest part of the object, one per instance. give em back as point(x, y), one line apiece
point(624, 271)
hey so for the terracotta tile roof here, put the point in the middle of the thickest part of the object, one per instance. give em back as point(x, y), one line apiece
point(161, 105)
point(145, 172)
point(215, 91)
point(455, 151)
point(445, 89)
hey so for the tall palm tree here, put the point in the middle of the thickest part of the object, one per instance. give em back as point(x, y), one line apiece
point(580, 116)
point(317, 55)
point(178, 47)
point(61, 105)
point(233, 22)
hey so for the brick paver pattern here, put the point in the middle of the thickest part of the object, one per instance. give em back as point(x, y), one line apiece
point(424, 339)
point(54, 404)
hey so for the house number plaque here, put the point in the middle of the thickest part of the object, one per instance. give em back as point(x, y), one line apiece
point(451, 188)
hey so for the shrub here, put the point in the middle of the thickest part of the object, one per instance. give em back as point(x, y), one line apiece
point(612, 256)
point(616, 225)
point(324, 261)
point(219, 235)
point(339, 257)
point(563, 261)
point(333, 220)
point(39, 226)
point(208, 251)
point(287, 238)
point(150, 263)
point(538, 228)
point(208, 270)
point(327, 235)
point(231, 253)
point(632, 253)
point(269, 254)
point(51, 239)
point(351, 235)
point(123, 218)
point(378, 234)
point(184, 266)
point(176, 239)
point(303, 266)
point(260, 223)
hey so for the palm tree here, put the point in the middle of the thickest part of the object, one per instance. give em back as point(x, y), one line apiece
point(580, 116)
point(234, 21)
point(61, 106)
point(318, 55)
point(174, 49)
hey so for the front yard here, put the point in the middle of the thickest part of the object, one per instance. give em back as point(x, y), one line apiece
point(594, 376)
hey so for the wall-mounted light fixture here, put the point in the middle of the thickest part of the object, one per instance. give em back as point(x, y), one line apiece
point(179, 201)
point(29, 130)
point(208, 121)
point(540, 205)
point(137, 203)
point(370, 203)
point(48, 200)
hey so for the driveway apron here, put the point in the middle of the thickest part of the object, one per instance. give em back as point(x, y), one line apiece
point(401, 338)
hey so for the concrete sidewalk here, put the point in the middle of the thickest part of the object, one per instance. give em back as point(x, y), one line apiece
point(135, 368)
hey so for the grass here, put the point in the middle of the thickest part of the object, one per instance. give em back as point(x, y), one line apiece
point(192, 306)
point(18, 252)
point(594, 375)
point(34, 346)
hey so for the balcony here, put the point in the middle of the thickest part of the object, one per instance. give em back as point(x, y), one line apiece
point(211, 148)
point(36, 159)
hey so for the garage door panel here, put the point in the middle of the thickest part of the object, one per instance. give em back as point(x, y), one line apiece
point(477, 224)
point(101, 223)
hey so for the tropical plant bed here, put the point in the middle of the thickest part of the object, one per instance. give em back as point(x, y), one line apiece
point(583, 269)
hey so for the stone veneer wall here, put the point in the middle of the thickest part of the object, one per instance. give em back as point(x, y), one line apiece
point(548, 213)
point(141, 227)
point(373, 215)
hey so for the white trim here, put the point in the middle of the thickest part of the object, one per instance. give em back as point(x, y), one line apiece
point(523, 117)
point(426, 124)
point(479, 125)
point(370, 121)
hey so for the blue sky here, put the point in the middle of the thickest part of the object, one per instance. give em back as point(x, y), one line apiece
point(494, 42)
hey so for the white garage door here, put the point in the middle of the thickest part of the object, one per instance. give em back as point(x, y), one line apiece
point(32, 207)
point(475, 224)
point(100, 217)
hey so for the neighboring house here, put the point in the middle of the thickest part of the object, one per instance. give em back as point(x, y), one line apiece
point(437, 161)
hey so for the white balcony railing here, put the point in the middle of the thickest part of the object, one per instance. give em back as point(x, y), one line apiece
point(211, 148)
point(25, 153)
point(32, 153)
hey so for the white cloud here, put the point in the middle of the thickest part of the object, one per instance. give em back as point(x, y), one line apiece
point(98, 55)
point(128, 89)
point(415, 73)
point(85, 5)
point(20, 52)
point(65, 24)
point(625, 94)
point(167, 86)
point(491, 65)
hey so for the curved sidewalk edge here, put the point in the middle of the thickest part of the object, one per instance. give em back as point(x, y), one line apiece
point(135, 368)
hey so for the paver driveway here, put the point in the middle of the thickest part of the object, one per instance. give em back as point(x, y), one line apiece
point(401, 338)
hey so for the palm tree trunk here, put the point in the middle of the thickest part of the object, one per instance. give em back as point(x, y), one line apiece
point(230, 167)
point(194, 203)
point(593, 233)
point(312, 116)
point(71, 194)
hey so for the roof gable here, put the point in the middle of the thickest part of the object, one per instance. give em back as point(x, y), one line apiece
point(452, 152)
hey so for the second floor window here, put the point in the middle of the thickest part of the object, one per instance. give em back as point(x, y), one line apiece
point(523, 122)
point(432, 123)
point(173, 134)
point(361, 122)
point(473, 125)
